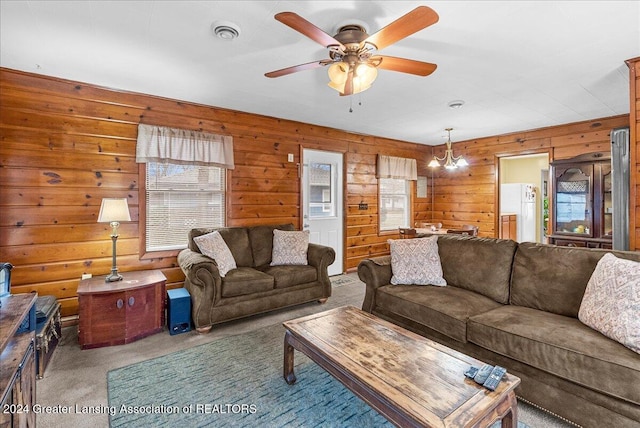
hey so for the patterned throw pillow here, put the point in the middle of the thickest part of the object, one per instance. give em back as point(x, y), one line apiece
point(289, 247)
point(416, 261)
point(611, 302)
point(213, 245)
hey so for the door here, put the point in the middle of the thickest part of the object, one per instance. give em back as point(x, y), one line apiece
point(322, 202)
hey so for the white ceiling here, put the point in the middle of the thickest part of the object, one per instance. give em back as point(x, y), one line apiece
point(518, 65)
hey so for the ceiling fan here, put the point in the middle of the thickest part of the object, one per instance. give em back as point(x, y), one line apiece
point(353, 60)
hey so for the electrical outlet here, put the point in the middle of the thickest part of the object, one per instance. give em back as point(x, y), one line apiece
point(290, 157)
point(86, 275)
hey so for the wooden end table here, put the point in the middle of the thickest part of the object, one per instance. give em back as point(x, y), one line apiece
point(114, 313)
point(411, 380)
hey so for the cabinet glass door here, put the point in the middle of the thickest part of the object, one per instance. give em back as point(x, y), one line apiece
point(573, 203)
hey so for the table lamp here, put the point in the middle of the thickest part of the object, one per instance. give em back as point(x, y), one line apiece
point(113, 211)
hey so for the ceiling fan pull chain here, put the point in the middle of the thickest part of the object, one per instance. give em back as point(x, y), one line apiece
point(351, 104)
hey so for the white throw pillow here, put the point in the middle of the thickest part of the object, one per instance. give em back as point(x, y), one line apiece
point(213, 245)
point(611, 301)
point(416, 261)
point(289, 247)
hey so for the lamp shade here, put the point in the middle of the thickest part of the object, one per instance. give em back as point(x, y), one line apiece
point(114, 209)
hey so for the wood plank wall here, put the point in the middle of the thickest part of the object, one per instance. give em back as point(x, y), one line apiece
point(66, 145)
point(468, 195)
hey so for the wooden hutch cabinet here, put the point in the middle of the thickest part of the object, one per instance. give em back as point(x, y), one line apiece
point(581, 201)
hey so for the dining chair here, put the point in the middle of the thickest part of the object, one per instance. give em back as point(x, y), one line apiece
point(460, 232)
point(472, 229)
point(407, 232)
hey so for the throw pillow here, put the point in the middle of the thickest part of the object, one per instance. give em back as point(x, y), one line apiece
point(213, 245)
point(611, 301)
point(416, 261)
point(289, 247)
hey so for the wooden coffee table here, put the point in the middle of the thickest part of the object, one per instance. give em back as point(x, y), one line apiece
point(411, 380)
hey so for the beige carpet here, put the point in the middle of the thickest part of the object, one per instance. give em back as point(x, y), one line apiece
point(78, 377)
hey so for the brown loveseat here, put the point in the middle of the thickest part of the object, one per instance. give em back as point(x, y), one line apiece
point(516, 305)
point(255, 286)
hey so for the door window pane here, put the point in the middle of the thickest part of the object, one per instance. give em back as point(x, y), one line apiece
point(321, 191)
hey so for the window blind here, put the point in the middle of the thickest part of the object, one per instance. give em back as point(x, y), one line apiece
point(180, 198)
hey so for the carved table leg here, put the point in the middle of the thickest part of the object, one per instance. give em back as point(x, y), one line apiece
point(510, 419)
point(288, 374)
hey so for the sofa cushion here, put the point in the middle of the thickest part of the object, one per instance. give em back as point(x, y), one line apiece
point(482, 265)
point(290, 247)
point(237, 238)
point(212, 245)
point(611, 302)
point(559, 345)
point(553, 278)
point(416, 261)
point(245, 280)
point(443, 309)
point(288, 275)
point(261, 239)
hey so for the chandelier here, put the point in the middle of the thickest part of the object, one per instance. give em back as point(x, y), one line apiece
point(450, 161)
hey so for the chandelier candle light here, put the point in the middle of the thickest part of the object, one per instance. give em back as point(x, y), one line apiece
point(113, 211)
point(450, 161)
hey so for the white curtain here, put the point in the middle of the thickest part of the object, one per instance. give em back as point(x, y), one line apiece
point(394, 167)
point(159, 143)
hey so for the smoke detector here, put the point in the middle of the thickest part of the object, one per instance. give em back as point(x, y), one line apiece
point(225, 30)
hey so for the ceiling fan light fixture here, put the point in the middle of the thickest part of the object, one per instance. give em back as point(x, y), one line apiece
point(365, 73)
point(338, 73)
point(225, 30)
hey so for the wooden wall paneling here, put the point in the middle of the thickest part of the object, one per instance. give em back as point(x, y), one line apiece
point(66, 145)
point(461, 195)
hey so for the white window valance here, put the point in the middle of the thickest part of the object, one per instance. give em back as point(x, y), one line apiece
point(182, 146)
point(394, 167)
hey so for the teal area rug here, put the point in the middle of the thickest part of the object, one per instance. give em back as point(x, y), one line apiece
point(234, 381)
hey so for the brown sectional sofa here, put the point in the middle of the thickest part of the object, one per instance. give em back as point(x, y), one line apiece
point(516, 305)
point(255, 286)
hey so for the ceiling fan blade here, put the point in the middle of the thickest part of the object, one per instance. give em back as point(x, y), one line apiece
point(404, 65)
point(303, 26)
point(414, 21)
point(296, 68)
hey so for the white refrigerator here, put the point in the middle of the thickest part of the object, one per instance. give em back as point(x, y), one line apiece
point(520, 199)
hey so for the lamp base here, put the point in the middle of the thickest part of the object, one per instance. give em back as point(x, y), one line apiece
point(113, 277)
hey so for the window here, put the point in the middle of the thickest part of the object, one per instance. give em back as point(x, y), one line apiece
point(179, 198)
point(394, 203)
point(321, 202)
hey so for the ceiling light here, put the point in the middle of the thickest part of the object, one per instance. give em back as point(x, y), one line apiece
point(225, 30)
point(455, 104)
point(363, 75)
point(450, 161)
